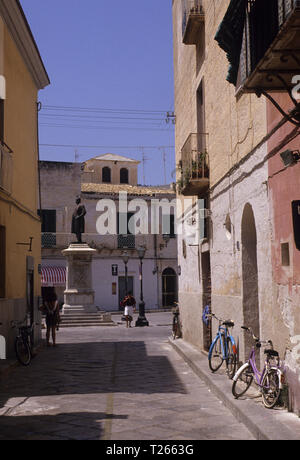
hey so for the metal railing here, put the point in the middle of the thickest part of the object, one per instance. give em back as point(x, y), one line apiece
point(190, 8)
point(126, 241)
point(6, 168)
point(58, 240)
point(194, 162)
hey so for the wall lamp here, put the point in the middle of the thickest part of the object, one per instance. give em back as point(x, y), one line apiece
point(290, 157)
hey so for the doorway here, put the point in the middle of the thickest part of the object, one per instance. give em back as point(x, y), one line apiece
point(250, 275)
point(169, 287)
point(206, 297)
point(30, 288)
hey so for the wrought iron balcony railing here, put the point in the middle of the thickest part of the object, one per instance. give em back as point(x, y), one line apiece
point(192, 21)
point(126, 241)
point(6, 168)
point(51, 240)
point(194, 167)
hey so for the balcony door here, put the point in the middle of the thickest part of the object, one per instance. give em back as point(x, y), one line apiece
point(263, 27)
point(48, 217)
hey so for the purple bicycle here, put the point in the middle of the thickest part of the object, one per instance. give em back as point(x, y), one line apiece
point(270, 380)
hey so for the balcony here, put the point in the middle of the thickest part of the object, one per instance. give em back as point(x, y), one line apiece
point(194, 167)
point(49, 240)
point(6, 168)
point(192, 21)
point(126, 241)
point(270, 56)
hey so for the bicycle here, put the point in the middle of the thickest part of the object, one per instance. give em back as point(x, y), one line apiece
point(176, 325)
point(223, 347)
point(270, 380)
point(23, 342)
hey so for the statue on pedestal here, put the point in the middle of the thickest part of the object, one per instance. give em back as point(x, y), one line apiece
point(78, 222)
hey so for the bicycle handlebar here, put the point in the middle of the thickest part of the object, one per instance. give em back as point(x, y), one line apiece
point(223, 321)
point(15, 324)
point(257, 339)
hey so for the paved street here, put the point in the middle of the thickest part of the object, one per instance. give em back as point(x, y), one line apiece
point(112, 383)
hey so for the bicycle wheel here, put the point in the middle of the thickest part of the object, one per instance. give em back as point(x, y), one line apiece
point(270, 388)
point(215, 356)
point(243, 382)
point(230, 360)
point(22, 350)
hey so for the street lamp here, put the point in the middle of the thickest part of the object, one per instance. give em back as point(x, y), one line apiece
point(142, 320)
point(125, 258)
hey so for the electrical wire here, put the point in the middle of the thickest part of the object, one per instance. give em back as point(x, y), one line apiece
point(127, 147)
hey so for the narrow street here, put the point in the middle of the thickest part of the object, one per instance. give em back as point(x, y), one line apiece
point(112, 383)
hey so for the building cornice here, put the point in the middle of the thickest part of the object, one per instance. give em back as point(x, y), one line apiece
point(16, 22)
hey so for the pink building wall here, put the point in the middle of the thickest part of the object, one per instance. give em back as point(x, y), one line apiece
point(284, 187)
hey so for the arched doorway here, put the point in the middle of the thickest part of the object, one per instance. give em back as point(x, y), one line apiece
point(250, 275)
point(169, 287)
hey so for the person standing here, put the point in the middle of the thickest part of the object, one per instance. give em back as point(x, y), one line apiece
point(51, 310)
point(129, 303)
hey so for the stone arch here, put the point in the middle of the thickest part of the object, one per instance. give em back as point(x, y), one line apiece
point(250, 275)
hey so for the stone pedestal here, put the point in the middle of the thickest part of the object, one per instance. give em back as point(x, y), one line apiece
point(79, 293)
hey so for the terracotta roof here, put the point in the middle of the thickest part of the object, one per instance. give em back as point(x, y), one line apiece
point(130, 189)
point(114, 157)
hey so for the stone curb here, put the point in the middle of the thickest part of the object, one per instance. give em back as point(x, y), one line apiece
point(264, 424)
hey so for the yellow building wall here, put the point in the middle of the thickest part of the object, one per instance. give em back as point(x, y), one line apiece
point(18, 211)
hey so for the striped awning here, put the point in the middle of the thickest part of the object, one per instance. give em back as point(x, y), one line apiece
point(53, 276)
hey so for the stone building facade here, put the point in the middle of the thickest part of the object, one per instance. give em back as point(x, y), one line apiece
point(231, 264)
point(99, 182)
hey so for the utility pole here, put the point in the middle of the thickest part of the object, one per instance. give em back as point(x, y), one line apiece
point(164, 162)
point(144, 159)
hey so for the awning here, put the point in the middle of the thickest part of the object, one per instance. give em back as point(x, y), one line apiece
point(53, 276)
point(230, 36)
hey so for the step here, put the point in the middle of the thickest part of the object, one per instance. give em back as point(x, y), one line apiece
point(89, 324)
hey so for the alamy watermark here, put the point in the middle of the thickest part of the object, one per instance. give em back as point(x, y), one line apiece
point(296, 88)
point(141, 217)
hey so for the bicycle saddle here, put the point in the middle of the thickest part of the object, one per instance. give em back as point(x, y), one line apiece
point(228, 323)
point(271, 352)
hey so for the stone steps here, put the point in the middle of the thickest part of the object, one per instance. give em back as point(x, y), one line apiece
point(86, 320)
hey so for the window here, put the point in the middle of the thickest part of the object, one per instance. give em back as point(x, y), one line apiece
point(2, 261)
point(106, 175)
point(48, 217)
point(168, 225)
point(125, 238)
point(124, 176)
point(285, 255)
point(296, 222)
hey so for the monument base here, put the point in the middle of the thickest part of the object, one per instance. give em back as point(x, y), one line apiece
point(79, 294)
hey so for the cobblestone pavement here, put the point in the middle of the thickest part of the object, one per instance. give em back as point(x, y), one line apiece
point(112, 383)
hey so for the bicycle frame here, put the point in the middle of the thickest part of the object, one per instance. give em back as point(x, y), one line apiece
point(222, 332)
point(259, 376)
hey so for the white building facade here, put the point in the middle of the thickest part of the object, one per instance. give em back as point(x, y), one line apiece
point(115, 228)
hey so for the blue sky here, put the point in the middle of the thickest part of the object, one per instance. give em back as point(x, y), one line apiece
point(111, 69)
